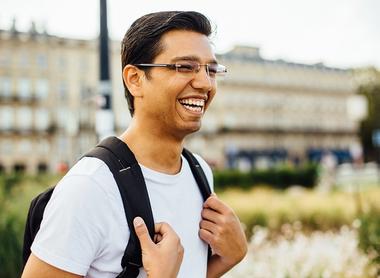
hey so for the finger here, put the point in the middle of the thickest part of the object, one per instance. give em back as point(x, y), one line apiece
point(206, 236)
point(208, 226)
point(142, 233)
point(211, 215)
point(163, 229)
point(216, 204)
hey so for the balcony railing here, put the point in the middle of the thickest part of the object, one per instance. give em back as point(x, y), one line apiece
point(14, 98)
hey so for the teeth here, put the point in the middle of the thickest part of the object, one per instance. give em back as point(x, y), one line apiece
point(193, 108)
point(196, 102)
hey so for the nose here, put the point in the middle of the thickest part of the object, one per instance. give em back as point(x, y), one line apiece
point(202, 80)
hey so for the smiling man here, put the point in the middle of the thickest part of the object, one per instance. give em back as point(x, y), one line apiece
point(169, 73)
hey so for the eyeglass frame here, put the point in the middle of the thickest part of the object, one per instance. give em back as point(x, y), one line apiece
point(177, 65)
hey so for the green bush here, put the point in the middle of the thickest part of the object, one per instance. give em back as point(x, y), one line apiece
point(8, 181)
point(279, 177)
point(11, 246)
point(369, 234)
point(16, 192)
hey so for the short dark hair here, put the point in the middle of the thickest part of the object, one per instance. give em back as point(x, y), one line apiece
point(141, 43)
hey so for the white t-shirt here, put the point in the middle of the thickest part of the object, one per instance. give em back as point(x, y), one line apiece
point(84, 229)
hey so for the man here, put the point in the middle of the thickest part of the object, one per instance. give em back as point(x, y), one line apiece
point(169, 73)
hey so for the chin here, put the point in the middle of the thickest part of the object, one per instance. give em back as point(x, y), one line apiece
point(190, 129)
point(195, 127)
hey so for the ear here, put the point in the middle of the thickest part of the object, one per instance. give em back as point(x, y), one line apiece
point(133, 77)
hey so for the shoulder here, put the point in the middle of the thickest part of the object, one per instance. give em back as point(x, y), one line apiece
point(88, 166)
point(88, 175)
point(85, 192)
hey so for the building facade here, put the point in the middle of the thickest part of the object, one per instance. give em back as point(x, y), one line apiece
point(263, 108)
point(47, 89)
point(266, 111)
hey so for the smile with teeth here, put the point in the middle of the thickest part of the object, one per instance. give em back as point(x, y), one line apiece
point(193, 104)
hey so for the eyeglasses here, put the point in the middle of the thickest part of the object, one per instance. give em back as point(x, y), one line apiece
point(190, 67)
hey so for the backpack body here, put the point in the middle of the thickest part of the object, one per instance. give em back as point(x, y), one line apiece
point(131, 184)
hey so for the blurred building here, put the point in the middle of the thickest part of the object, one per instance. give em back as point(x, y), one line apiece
point(47, 85)
point(263, 110)
point(267, 111)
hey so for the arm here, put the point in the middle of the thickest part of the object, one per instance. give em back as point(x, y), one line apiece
point(155, 255)
point(38, 268)
point(162, 259)
point(221, 229)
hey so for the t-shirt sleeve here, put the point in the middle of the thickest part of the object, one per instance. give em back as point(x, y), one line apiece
point(207, 170)
point(71, 235)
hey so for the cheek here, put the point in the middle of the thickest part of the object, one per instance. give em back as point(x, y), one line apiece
point(210, 98)
point(164, 93)
point(173, 89)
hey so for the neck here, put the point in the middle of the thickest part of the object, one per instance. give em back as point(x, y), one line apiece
point(157, 151)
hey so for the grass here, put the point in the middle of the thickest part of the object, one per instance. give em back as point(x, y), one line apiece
point(315, 210)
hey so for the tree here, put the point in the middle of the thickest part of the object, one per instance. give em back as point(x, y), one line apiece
point(372, 92)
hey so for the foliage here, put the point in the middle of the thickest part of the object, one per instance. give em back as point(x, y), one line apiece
point(372, 122)
point(279, 177)
point(16, 192)
point(315, 210)
point(369, 235)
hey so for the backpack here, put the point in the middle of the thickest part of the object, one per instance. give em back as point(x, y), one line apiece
point(130, 181)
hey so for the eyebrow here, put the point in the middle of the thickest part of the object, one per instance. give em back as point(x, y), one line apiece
point(192, 58)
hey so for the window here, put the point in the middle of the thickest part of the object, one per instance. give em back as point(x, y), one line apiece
point(85, 92)
point(83, 64)
point(5, 58)
point(63, 144)
point(62, 91)
point(24, 59)
point(43, 146)
point(42, 119)
point(24, 89)
point(24, 118)
point(62, 63)
point(42, 89)
point(84, 143)
point(42, 62)
point(6, 147)
point(85, 115)
point(5, 87)
point(61, 117)
point(6, 118)
point(25, 146)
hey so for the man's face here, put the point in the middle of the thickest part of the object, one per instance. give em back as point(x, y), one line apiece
point(173, 101)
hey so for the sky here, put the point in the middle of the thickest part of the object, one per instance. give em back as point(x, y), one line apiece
point(338, 33)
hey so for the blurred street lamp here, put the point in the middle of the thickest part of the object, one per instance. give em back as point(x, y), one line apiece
point(104, 115)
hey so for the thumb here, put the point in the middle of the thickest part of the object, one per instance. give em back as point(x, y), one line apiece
point(142, 233)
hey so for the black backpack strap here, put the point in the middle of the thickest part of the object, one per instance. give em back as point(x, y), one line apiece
point(200, 178)
point(198, 174)
point(130, 181)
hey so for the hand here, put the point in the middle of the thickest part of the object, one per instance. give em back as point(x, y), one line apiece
point(163, 258)
point(221, 229)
